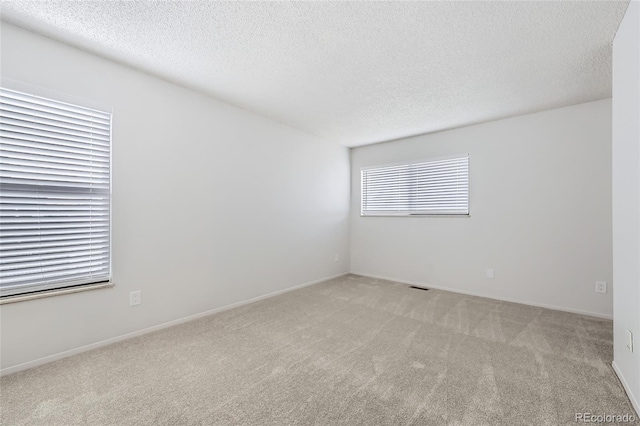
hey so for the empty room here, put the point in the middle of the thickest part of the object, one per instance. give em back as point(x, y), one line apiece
point(319, 212)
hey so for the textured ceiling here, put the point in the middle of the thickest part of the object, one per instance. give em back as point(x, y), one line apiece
point(354, 72)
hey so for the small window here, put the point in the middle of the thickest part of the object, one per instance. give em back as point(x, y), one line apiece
point(54, 194)
point(438, 187)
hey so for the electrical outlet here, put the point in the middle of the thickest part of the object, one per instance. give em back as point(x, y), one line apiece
point(630, 340)
point(135, 298)
point(601, 287)
point(491, 273)
point(336, 258)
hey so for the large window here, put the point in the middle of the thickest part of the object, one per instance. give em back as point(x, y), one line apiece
point(54, 194)
point(438, 187)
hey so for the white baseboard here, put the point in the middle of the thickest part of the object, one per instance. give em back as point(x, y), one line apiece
point(71, 352)
point(627, 389)
point(470, 293)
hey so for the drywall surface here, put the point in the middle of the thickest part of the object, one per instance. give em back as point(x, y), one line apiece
point(211, 205)
point(540, 212)
point(626, 200)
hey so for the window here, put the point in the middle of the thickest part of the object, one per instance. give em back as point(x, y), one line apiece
point(428, 188)
point(54, 194)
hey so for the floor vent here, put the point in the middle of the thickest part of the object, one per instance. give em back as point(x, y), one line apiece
point(419, 288)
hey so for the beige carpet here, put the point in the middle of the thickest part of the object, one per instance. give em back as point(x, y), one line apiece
point(351, 351)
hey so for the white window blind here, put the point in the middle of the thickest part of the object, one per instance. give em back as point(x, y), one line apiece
point(54, 194)
point(426, 188)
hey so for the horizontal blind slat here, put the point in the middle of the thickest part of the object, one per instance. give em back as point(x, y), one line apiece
point(97, 142)
point(42, 268)
point(8, 168)
point(16, 110)
point(25, 180)
point(18, 261)
point(16, 147)
point(12, 97)
point(48, 232)
point(24, 239)
point(45, 276)
point(6, 257)
point(25, 122)
point(31, 115)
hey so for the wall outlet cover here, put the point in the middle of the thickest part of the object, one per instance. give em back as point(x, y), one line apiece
point(135, 298)
point(601, 287)
point(491, 273)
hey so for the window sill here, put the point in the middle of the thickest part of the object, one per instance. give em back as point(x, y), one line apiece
point(416, 215)
point(51, 293)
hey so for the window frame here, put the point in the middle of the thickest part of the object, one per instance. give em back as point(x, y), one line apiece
point(415, 162)
point(71, 285)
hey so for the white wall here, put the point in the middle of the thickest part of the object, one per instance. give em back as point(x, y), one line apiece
point(626, 200)
point(540, 212)
point(212, 205)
